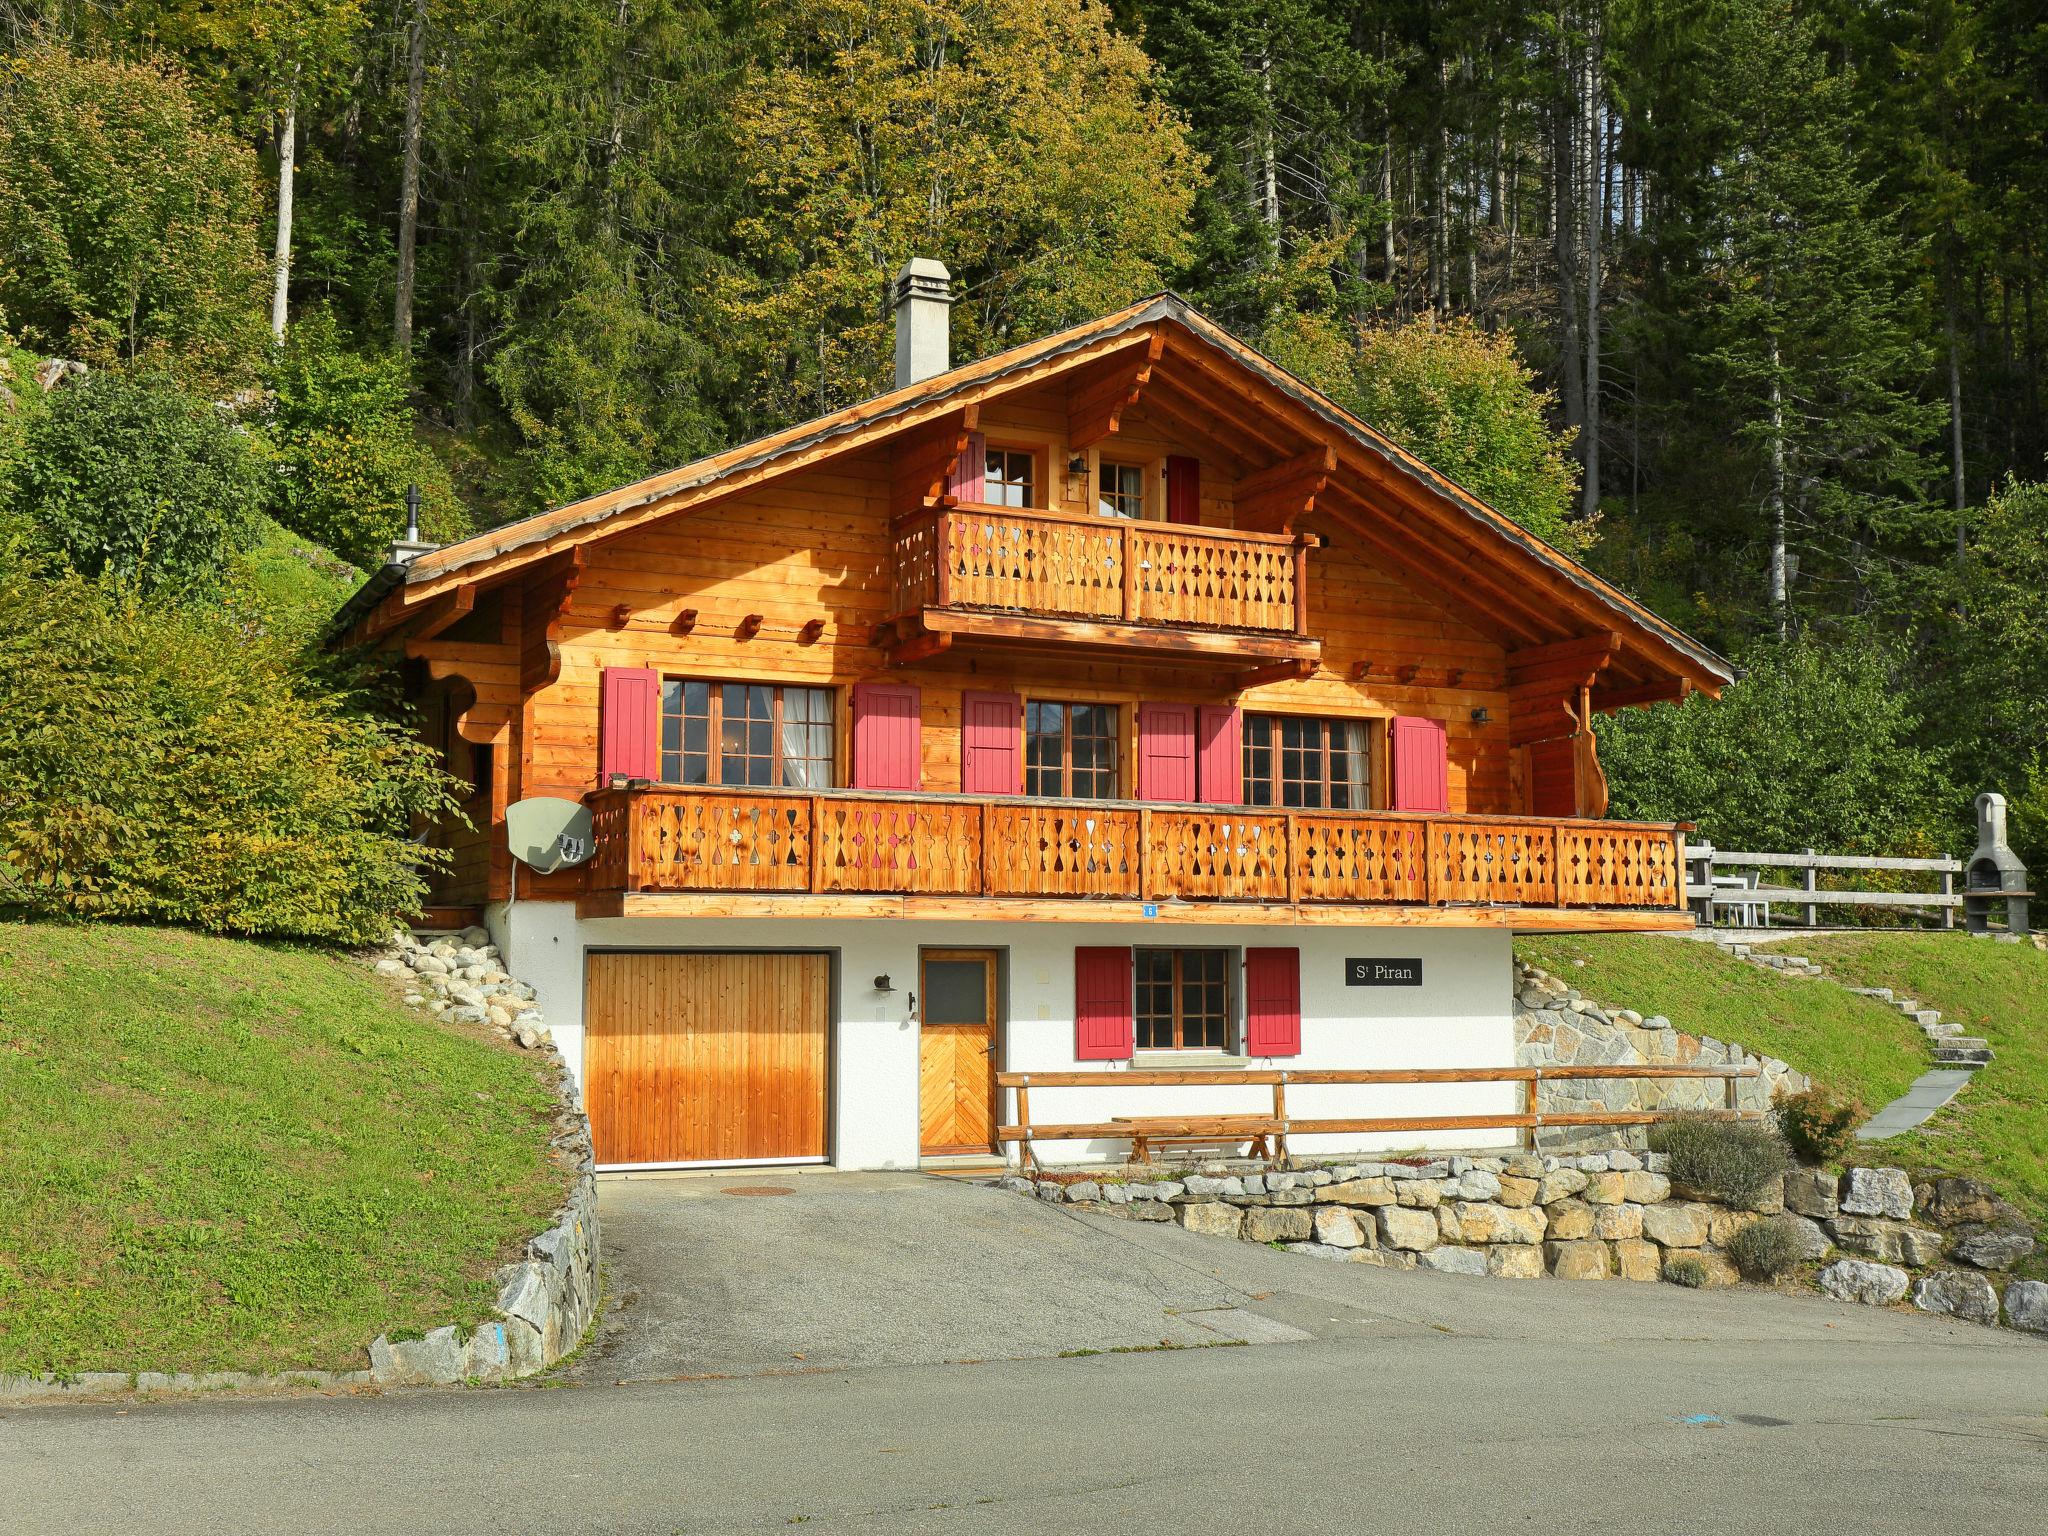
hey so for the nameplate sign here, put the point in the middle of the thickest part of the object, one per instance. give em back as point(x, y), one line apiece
point(1382, 973)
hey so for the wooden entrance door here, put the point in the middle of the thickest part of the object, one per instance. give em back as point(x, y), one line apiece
point(707, 1058)
point(956, 1067)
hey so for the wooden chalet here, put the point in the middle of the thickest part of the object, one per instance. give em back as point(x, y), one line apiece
point(1124, 628)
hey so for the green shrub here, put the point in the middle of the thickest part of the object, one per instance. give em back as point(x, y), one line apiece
point(137, 480)
point(173, 765)
point(1765, 1249)
point(1687, 1271)
point(1732, 1160)
point(341, 427)
point(1819, 1124)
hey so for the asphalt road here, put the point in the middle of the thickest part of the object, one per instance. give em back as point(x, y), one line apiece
point(1387, 1402)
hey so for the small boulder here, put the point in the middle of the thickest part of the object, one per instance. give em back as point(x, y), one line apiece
point(1955, 1202)
point(1339, 1228)
point(1455, 1261)
point(1516, 1192)
point(2026, 1305)
point(1878, 1192)
point(1645, 1188)
point(1605, 1188)
point(1211, 1218)
point(1286, 1224)
point(1367, 1192)
point(1613, 1222)
point(1559, 1184)
point(1582, 1260)
point(1874, 1285)
point(1893, 1242)
point(1957, 1293)
point(1400, 1227)
point(1514, 1261)
point(1573, 1219)
point(1811, 1192)
point(1676, 1225)
point(1993, 1247)
point(1638, 1259)
point(1483, 1222)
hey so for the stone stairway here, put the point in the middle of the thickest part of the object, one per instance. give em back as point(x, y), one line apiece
point(1952, 1049)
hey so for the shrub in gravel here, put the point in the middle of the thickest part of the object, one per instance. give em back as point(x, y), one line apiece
point(1686, 1271)
point(1765, 1249)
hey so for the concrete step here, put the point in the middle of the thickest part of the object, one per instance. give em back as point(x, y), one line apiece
point(1970, 1060)
point(1941, 1031)
point(1963, 1043)
point(1927, 1018)
point(1883, 994)
point(1906, 1005)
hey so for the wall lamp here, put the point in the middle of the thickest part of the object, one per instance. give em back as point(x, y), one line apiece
point(1481, 715)
point(882, 983)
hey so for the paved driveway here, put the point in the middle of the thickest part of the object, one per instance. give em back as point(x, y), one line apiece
point(852, 1269)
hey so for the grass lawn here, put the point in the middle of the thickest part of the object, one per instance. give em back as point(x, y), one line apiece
point(1997, 1128)
point(222, 1155)
point(1849, 1043)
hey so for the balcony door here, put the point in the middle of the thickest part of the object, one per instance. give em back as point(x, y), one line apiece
point(956, 1051)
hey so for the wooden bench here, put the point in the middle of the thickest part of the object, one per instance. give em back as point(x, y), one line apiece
point(1261, 1132)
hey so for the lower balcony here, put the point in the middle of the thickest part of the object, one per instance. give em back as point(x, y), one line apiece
point(668, 851)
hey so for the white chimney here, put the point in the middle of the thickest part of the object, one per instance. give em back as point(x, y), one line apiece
point(923, 293)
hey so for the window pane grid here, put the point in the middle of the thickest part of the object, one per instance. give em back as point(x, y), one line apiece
point(1182, 999)
point(1122, 491)
point(1306, 763)
point(754, 734)
point(1006, 477)
point(1070, 750)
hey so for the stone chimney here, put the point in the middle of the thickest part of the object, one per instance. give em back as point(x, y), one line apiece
point(923, 295)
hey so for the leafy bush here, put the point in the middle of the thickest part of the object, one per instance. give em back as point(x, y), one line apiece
point(1819, 1124)
point(137, 480)
point(129, 222)
point(342, 429)
point(1815, 747)
point(1459, 399)
point(170, 764)
point(1732, 1160)
point(1687, 1271)
point(1765, 1249)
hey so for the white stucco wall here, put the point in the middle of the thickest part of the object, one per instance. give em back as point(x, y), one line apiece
point(1462, 1015)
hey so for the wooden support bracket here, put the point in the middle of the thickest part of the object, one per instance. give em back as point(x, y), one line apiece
point(1098, 399)
point(750, 626)
point(810, 633)
point(1277, 672)
point(684, 622)
point(622, 615)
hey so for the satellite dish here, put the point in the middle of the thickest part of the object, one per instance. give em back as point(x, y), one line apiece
point(548, 833)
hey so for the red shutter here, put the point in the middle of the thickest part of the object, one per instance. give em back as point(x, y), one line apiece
point(991, 743)
point(1183, 489)
point(629, 724)
point(1102, 1004)
point(970, 470)
point(1219, 755)
point(1166, 752)
point(886, 738)
point(1272, 1002)
point(1421, 759)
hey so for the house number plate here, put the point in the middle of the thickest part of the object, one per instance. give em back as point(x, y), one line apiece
point(1382, 973)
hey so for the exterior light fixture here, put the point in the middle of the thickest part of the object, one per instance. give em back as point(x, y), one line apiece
point(882, 983)
point(1481, 715)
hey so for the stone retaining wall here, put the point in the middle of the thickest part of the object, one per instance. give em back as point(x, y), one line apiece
point(1557, 1027)
point(547, 1298)
point(1599, 1216)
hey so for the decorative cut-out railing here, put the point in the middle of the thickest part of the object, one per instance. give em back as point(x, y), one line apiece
point(1072, 566)
point(851, 842)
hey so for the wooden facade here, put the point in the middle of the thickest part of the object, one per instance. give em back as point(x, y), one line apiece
point(1327, 576)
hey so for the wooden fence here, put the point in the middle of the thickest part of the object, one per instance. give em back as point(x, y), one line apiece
point(1277, 1126)
point(1710, 896)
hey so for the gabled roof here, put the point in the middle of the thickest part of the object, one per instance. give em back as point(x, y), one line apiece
point(1408, 517)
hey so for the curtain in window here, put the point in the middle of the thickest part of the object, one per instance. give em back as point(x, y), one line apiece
point(806, 745)
point(1357, 766)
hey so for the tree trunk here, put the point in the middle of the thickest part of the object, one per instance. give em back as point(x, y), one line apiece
point(1596, 219)
point(409, 178)
point(287, 165)
point(1393, 276)
point(1564, 215)
point(1955, 420)
point(1780, 579)
point(1269, 163)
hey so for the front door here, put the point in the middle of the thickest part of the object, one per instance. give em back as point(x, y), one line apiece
point(956, 1057)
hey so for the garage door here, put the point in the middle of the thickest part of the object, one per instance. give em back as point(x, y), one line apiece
point(706, 1058)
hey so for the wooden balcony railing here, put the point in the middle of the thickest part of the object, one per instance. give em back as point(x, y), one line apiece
point(1067, 565)
point(657, 838)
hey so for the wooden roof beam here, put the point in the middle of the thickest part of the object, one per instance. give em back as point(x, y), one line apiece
point(1607, 700)
point(1099, 397)
point(1255, 441)
point(424, 621)
point(1274, 499)
point(923, 465)
point(1202, 430)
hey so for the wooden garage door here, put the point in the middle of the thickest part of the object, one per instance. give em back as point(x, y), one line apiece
point(706, 1058)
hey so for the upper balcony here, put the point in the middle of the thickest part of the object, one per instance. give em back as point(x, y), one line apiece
point(664, 850)
point(1031, 577)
